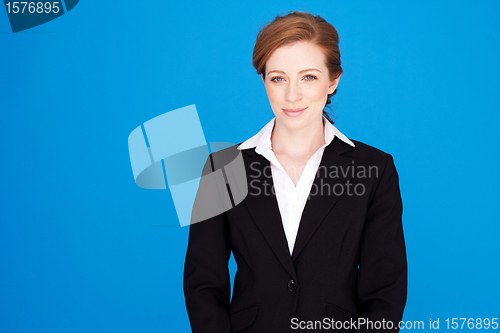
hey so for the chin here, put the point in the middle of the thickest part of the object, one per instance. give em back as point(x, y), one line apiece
point(293, 122)
point(300, 121)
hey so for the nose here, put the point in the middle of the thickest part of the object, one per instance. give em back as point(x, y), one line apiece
point(293, 92)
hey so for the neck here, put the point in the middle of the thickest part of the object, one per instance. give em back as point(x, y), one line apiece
point(298, 142)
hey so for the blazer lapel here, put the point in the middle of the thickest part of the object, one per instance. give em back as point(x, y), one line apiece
point(263, 207)
point(333, 174)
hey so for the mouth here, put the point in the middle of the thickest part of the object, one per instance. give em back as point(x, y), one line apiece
point(293, 112)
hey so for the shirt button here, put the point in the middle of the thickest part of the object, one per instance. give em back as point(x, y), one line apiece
point(292, 285)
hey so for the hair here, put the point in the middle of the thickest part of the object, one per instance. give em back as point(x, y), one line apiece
point(299, 26)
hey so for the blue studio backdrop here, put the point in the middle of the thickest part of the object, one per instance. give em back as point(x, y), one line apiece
point(84, 249)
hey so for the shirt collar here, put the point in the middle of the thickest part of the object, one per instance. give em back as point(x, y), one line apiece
point(262, 140)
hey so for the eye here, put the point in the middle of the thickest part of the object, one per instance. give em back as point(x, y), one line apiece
point(275, 79)
point(310, 77)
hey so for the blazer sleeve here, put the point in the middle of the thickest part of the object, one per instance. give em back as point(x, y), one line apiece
point(206, 273)
point(382, 275)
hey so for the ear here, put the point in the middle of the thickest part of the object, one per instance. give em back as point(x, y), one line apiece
point(262, 77)
point(333, 85)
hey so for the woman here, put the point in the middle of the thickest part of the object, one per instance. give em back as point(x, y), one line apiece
point(323, 248)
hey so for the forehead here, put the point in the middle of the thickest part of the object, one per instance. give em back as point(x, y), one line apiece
point(296, 57)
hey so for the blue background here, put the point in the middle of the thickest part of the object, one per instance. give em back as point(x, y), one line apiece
point(82, 248)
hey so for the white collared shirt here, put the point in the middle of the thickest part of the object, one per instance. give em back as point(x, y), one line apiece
point(291, 199)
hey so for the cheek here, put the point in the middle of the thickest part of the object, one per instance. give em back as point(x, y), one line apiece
point(317, 92)
point(273, 94)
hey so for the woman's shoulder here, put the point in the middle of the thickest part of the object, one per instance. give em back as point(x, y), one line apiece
point(368, 153)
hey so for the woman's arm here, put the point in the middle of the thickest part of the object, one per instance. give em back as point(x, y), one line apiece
point(206, 274)
point(382, 275)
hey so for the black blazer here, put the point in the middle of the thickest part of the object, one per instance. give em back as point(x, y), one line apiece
point(348, 262)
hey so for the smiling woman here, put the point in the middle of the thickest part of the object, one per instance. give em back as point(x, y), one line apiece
point(299, 27)
point(323, 246)
point(293, 90)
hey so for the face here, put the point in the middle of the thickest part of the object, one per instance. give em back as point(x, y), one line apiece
point(297, 84)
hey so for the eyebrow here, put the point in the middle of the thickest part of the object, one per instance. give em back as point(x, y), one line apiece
point(305, 70)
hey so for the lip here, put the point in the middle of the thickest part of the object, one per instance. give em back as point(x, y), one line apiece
point(293, 112)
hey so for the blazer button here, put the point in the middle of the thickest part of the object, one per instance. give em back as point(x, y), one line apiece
point(292, 285)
